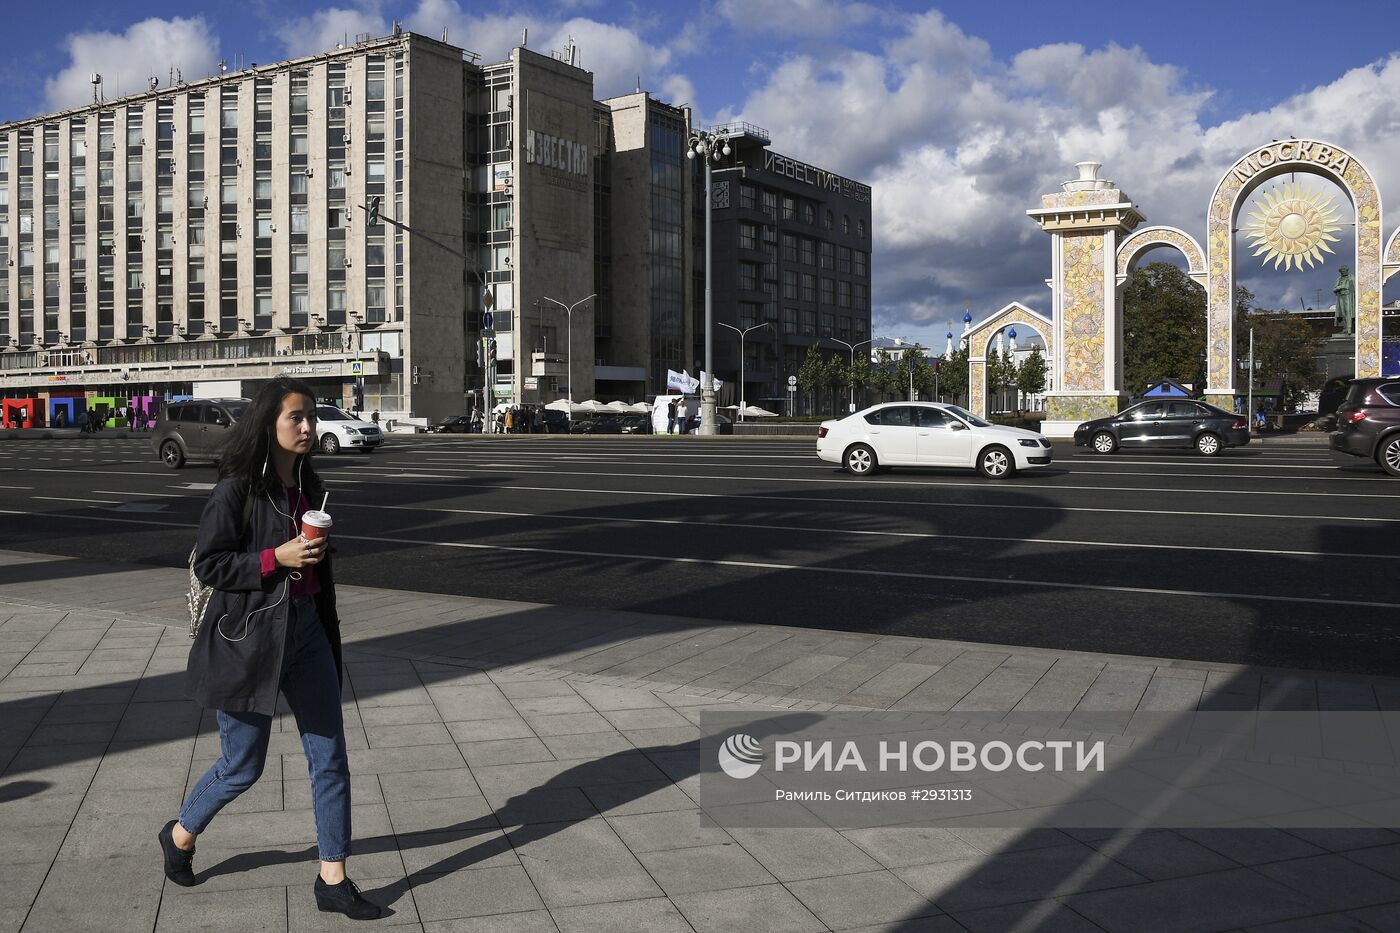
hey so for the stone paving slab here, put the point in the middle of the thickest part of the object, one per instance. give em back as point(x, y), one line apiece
point(520, 767)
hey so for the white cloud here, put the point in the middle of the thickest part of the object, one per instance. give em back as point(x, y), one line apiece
point(324, 29)
point(150, 47)
point(958, 145)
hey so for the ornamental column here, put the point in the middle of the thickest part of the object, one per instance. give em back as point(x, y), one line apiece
point(1086, 221)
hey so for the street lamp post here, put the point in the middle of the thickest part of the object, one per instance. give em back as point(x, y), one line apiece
point(742, 334)
point(569, 311)
point(852, 348)
point(711, 147)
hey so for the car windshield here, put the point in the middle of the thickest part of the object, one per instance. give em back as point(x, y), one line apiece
point(969, 417)
point(331, 413)
point(236, 410)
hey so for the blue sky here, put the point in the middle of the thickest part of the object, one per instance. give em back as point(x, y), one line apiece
point(958, 114)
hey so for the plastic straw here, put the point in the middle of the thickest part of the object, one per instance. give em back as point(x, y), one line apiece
point(324, 497)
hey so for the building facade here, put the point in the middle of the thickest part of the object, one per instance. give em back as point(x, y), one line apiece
point(198, 239)
point(791, 249)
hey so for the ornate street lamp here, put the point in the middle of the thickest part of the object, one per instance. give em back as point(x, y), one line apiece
point(742, 334)
point(710, 146)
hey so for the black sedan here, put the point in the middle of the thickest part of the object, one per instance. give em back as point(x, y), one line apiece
point(1165, 423)
point(461, 424)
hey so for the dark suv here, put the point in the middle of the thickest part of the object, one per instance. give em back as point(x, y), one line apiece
point(195, 429)
point(1368, 422)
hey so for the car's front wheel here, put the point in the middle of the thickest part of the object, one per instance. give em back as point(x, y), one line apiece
point(1208, 445)
point(1388, 455)
point(995, 463)
point(859, 460)
point(171, 455)
point(1105, 443)
point(329, 444)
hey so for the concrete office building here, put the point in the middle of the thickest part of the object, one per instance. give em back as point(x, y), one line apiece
point(201, 238)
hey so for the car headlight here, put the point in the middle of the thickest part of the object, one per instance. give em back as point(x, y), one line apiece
point(1029, 442)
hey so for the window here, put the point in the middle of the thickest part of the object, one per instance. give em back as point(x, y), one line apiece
point(196, 121)
point(374, 89)
point(299, 222)
point(301, 260)
point(228, 191)
point(790, 284)
point(748, 277)
point(375, 171)
point(844, 260)
point(748, 196)
point(860, 228)
point(299, 183)
point(828, 291)
point(262, 187)
point(809, 252)
point(228, 117)
point(809, 323)
point(897, 416)
point(789, 247)
point(748, 236)
point(809, 287)
point(79, 149)
point(860, 257)
point(828, 256)
point(300, 144)
point(843, 294)
point(828, 219)
point(809, 212)
point(789, 208)
point(770, 203)
point(846, 224)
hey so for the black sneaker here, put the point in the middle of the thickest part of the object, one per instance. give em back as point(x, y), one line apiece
point(345, 898)
point(177, 860)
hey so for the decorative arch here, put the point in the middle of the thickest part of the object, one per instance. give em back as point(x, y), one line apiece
point(1252, 170)
point(979, 340)
point(1392, 257)
point(1146, 238)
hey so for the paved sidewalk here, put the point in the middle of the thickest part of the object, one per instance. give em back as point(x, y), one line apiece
point(523, 767)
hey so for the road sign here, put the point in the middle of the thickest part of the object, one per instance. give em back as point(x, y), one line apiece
point(792, 382)
point(357, 368)
point(488, 321)
point(792, 388)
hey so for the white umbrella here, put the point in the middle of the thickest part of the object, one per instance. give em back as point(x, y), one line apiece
point(564, 405)
point(641, 407)
point(618, 406)
point(753, 411)
point(593, 406)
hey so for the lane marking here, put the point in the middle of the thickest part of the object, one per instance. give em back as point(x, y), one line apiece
point(706, 523)
point(1022, 486)
point(803, 568)
point(72, 499)
point(815, 500)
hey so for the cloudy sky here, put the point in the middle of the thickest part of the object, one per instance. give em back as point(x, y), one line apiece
point(958, 114)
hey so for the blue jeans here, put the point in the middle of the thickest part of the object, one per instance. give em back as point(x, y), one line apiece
point(312, 689)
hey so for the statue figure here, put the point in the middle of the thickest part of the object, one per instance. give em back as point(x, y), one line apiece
point(1345, 290)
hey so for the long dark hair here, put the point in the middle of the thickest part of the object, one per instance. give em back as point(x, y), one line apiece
point(247, 452)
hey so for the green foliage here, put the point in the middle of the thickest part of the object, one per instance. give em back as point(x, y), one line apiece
point(1031, 378)
point(952, 381)
point(1285, 346)
point(1164, 328)
point(812, 371)
point(882, 374)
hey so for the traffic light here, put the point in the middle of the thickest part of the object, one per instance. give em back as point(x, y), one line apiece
point(374, 211)
point(490, 351)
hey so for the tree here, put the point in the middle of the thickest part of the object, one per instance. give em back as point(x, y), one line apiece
point(953, 378)
point(1007, 371)
point(1285, 346)
point(835, 376)
point(1031, 378)
point(881, 374)
point(1164, 328)
point(812, 372)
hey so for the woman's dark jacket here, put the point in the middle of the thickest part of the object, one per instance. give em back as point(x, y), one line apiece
point(243, 675)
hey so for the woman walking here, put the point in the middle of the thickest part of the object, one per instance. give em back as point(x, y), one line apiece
point(270, 625)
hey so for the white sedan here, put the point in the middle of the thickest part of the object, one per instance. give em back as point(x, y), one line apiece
point(928, 434)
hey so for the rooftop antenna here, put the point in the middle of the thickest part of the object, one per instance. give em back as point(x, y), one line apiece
point(152, 82)
point(639, 82)
point(398, 30)
point(96, 80)
point(524, 36)
point(573, 52)
point(223, 66)
point(444, 35)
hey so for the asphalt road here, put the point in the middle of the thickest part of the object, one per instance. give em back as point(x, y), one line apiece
point(1268, 555)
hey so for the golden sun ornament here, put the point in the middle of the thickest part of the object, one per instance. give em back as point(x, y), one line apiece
point(1292, 226)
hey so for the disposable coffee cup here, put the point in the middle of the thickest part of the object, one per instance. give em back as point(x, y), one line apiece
point(315, 524)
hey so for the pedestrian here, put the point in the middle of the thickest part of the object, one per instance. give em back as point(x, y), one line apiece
point(671, 416)
point(374, 416)
point(270, 625)
point(509, 420)
point(90, 422)
point(131, 417)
